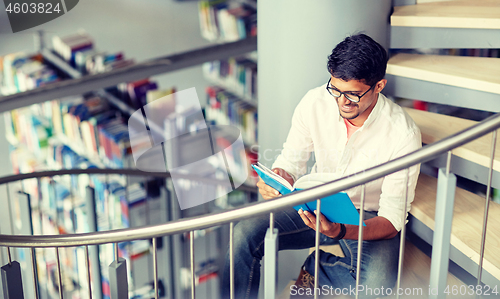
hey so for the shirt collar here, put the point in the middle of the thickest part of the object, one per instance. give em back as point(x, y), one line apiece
point(374, 114)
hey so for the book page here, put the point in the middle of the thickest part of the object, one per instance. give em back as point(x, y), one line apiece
point(276, 177)
point(314, 179)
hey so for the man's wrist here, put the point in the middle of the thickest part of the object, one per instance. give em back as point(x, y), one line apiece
point(341, 232)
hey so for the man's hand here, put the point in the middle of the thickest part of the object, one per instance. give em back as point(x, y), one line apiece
point(269, 192)
point(327, 228)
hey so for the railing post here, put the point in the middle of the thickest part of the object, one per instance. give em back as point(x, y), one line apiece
point(270, 259)
point(12, 281)
point(231, 260)
point(360, 239)
point(94, 249)
point(193, 274)
point(118, 280)
point(24, 226)
point(486, 208)
point(316, 247)
point(59, 274)
point(445, 198)
point(34, 272)
point(402, 235)
point(87, 265)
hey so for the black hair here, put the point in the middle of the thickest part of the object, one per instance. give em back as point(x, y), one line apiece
point(358, 57)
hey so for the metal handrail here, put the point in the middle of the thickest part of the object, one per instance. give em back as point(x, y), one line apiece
point(255, 209)
point(118, 171)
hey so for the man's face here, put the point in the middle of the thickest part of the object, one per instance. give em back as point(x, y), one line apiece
point(357, 113)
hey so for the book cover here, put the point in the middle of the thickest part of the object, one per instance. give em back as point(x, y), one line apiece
point(337, 208)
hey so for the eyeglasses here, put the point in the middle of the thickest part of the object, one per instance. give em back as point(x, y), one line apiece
point(351, 97)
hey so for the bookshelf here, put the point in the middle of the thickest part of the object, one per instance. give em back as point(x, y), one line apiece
point(132, 73)
point(52, 135)
point(115, 206)
point(227, 21)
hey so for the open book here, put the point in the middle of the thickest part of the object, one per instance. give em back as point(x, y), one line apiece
point(336, 208)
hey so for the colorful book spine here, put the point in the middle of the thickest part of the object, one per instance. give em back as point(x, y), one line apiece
point(227, 21)
point(238, 75)
point(227, 109)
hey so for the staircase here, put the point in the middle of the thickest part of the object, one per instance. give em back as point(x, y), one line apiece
point(461, 81)
point(468, 82)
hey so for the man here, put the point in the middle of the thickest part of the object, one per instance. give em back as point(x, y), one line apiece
point(350, 126)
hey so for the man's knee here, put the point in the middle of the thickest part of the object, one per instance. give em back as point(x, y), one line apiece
point(384, 277)
point(249, 235)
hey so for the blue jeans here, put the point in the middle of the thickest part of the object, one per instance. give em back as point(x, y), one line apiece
point(379, 261)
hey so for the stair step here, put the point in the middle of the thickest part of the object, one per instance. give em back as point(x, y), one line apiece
point(435, 127)
point(484, 14)
point(477, 73)
point(416, 274)
point(467, 224)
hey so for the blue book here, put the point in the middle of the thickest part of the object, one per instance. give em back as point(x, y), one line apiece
point(337, 208)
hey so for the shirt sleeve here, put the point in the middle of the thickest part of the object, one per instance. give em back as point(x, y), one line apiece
point(392, 198)
point(298, 145)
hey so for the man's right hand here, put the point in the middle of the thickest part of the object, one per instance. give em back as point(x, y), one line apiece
point(269, 192)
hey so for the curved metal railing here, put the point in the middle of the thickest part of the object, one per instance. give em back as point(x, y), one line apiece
point(424, 154)
point(250, 210)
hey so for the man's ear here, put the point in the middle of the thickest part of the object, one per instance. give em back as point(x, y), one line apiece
point(380, 85)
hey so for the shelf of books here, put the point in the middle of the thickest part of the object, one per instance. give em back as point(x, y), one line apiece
point(226, 21)
point(89, 131)
point(84, 131)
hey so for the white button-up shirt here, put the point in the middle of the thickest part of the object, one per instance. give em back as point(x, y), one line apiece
point(387, 133)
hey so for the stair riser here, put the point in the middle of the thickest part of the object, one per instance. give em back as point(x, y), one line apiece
point(467, 169)
point(444, 38)
point(442, 94)
point(425, 233)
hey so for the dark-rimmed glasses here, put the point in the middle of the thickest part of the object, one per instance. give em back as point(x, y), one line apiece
point(351, 97)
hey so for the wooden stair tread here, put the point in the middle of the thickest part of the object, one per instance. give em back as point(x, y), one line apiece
point(467, 224)
point(416, 274)
point(435, 127)
point(476, 73)
point(484, 14)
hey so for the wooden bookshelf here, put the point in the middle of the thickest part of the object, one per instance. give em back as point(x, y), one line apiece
point(484, 14)
point(468, 214)
point(435, 127)
point(476, 73)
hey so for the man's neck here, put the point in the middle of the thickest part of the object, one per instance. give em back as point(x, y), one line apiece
point(360, 120)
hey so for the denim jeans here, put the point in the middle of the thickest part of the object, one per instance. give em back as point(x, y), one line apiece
point(379, 261)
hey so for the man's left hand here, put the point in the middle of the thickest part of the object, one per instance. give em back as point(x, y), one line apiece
point(327, 228)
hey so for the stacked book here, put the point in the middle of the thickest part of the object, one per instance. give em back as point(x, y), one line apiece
point(22, 72)
point(139, 93)
point(68, 46)
point(78, 51)
point(226, 20)
point(226, 109)
point(238, 75)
